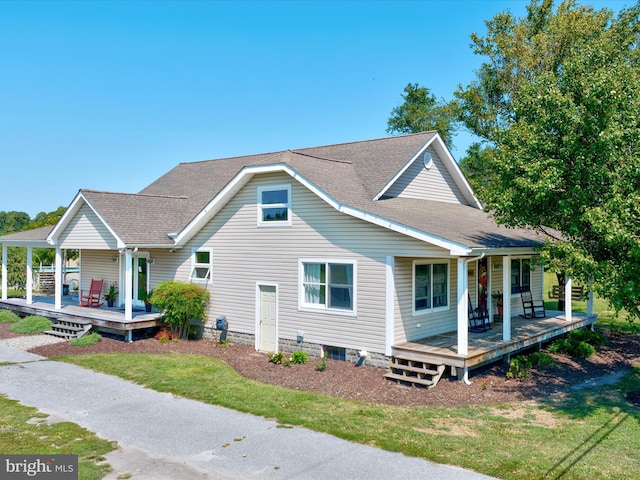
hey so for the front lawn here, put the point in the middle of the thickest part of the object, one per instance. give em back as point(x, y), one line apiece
point(591, 433)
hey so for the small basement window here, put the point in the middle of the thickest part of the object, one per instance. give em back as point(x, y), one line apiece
point(336, 353)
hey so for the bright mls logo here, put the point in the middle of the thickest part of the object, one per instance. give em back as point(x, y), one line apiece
point(43, 467)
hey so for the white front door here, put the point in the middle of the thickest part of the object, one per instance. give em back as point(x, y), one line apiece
point(267, 318)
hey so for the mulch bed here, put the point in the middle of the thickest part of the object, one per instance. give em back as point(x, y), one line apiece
point(365, 383)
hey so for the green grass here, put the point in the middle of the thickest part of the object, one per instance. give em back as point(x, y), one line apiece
point(25, 431)
point(608, 318)
point(16, 293)
point(31, 325)
point(570, 438)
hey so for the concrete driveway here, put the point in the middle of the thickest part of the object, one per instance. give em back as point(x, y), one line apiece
point(163, 437)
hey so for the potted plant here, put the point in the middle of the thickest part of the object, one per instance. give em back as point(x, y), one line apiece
point(147, 300)
point(497, 296)
point(111, 295)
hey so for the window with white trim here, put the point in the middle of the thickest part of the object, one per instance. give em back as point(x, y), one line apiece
point(274, 205)
point(201, 263)
point(430, 286)
point(520, 274)
point(327, 285)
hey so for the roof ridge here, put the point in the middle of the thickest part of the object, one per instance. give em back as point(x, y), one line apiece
point(370, 140)
point(89, 190)
point(321, 158)
point(298, 150)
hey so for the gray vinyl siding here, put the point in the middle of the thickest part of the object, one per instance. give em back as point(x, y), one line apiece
point(163, 267)
point(434, 184)
point(86, 231)
point(245, 255)
point(407, 326)
point(95, 264)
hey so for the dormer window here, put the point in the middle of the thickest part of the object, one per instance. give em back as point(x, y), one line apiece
point(274, 205)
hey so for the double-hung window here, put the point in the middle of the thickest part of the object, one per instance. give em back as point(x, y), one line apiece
point(201, 262)
point(520, 274)
point(274, 205)
point(430, 287)
point(327, 285)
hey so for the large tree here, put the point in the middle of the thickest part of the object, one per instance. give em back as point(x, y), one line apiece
point(557, 106)
point(421, 111)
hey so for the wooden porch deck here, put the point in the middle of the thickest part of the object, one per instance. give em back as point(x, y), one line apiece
point(103, 318)
point(489, 346)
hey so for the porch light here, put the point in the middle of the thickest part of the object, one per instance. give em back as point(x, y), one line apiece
point(114, 258)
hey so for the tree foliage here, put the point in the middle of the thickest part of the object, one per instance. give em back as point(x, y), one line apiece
point(557, 105)
point(181, 302)
point(11, 222)
point(420, 112)
point(43, 219)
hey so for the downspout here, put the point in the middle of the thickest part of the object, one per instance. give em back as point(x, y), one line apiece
point(463, 316)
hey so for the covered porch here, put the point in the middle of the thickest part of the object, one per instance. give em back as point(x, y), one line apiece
point(490, 346)
point(112, 320)
point(124, 259)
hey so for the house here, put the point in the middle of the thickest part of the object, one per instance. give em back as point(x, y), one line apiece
point(355, 249)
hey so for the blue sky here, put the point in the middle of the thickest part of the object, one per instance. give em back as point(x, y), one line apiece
point(109, 95)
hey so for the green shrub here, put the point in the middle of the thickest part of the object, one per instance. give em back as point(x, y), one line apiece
point(322, 366)
point(541, 359)
point(181, 302)
point(276, 357)
point(8, 316)
point(578, 343)
point(561, 346)
point(31, 324)
point(86, 340)
point(519, 367)
point(299, 357)
point(584, 350)
point(591, 337)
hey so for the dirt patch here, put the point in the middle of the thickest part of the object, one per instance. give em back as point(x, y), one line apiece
point(365, 383)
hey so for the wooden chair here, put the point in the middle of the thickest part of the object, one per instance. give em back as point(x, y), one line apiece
point(531, 308)
point(478, 318)
point(92, 297)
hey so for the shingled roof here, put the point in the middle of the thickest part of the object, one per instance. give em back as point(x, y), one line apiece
point(352, 174)
point(349, 174)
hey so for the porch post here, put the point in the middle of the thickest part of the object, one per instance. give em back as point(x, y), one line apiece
point(58, 279)
point(29, 275)
point(567, 299)
point(463, 308)
point(128, 285)
point(4, 272)
point(506, 298)
point(389, 304)
point(589, 299)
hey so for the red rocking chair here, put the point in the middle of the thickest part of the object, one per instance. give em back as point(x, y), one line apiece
point(92, 298)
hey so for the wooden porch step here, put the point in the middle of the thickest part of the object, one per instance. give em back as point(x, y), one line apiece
point(58, 333)
point(414, 372)
point(69, 328)
point(413, 380)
